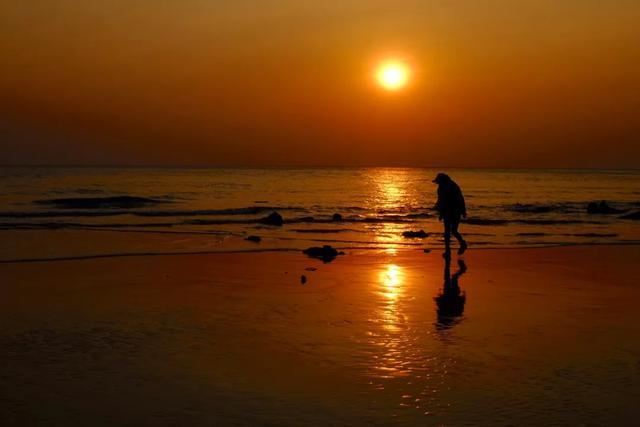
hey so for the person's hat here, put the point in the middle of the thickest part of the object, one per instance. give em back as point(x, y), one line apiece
point(441, 177)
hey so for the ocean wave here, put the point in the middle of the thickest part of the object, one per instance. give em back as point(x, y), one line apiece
point(592, 235)
point(567, 207)
point(553, 221)
point(338, 208)
point(113, 202)
point(249, 210)
point(633, 215)
point(399, 219)
point(61, 225)
point(258, 221)
point(239, 217)
point(487, 221)
point(60, 214)
point(325, 230)
point(117, 228)
point(200, 221)
point(76, 191)
point(419, 215)
point(567, 234)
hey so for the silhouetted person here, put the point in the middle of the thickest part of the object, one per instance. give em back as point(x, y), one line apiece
point(451, 209)
point(451, 299)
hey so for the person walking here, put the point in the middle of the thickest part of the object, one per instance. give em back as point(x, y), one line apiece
point(451, 208)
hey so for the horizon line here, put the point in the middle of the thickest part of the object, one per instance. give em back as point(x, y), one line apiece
point(284, 166)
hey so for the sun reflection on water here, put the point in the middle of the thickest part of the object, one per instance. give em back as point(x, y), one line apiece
point(391, 279)
point(403, 364)
point(393, 192)
point(392, 320)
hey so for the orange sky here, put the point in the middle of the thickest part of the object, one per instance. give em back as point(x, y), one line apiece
point(496, 83)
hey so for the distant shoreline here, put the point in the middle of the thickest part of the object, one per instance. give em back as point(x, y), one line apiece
point(324, 167)
point(274, 250)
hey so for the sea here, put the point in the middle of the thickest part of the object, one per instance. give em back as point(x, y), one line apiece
point(57, 213)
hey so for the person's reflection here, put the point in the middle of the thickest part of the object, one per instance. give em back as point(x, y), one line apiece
point(451, 299)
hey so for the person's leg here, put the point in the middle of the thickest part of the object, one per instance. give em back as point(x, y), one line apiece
point(454, 231)
point(447, 236)
point(458, 236)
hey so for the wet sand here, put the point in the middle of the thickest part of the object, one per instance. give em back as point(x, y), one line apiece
point(546, 337)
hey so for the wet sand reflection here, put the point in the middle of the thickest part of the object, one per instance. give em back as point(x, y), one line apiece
point(392, 336)
point(406, 366)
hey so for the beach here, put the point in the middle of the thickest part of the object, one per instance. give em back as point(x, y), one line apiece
point(546, 336)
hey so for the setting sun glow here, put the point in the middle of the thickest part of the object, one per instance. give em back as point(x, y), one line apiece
point(392, 75)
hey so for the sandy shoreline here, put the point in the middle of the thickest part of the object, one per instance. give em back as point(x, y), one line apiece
point(548, 336)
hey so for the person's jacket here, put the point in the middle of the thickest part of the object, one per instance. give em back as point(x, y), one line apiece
point(450, 201)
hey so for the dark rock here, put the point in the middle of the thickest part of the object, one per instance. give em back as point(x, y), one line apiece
point(325, 253)
point(303, 279)
point(255, 239)
point(274, 218)
point(602, 208)
point(426, 251)
point(633, 215)
point(415, 234)
point(336, 217)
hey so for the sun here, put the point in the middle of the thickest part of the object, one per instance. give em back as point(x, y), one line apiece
point(392, 75)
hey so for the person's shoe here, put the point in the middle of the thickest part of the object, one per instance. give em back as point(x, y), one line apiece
point(463, 248)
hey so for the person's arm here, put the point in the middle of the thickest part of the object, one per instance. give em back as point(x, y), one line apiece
point(463, 205)
point(459, 200)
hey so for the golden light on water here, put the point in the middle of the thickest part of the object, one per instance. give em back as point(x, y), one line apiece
point(392, 192)
point(391, 279)
point(391, 339)
point(392, 75)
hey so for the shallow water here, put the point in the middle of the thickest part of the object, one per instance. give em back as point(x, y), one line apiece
point(82, 211)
